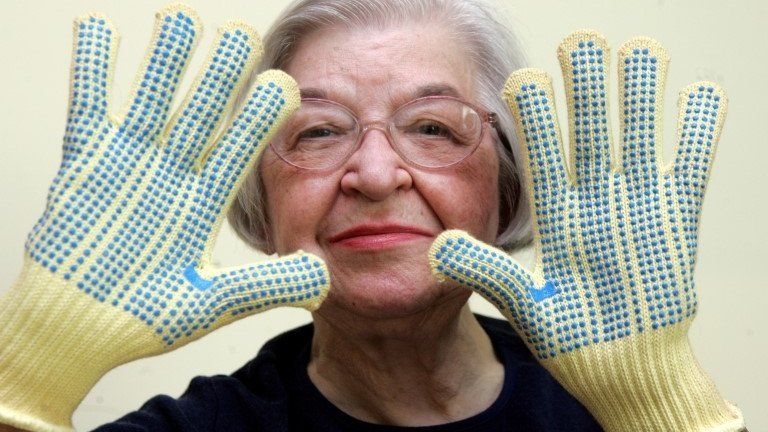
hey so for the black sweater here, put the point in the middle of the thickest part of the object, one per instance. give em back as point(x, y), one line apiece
point(273, 393)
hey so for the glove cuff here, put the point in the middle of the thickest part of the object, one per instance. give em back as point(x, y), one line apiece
point(646, 382)
point(50, 353)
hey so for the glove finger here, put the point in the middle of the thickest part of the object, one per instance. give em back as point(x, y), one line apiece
point(229, 63)
point(585, 60)
point(94, 51)
point(702, 109)
point(224, 166)
point(642, 74)
point(175, 35)
point(299, 280)
point(497, 277)
point(528, 92)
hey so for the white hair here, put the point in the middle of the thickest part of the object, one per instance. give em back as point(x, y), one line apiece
point(493, 49)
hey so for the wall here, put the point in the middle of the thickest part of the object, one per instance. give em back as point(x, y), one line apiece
point(720, 41)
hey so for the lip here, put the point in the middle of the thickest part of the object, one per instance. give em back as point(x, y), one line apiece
point(378, 236)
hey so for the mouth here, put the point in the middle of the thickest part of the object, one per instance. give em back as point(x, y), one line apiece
point(379, 236)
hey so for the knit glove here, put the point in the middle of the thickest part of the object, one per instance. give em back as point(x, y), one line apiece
point(118, 267)
point(609, 303)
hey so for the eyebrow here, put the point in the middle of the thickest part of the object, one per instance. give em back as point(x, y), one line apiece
point(312, 93)
point(438, 89)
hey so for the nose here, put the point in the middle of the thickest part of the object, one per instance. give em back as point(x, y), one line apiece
point(375, 170)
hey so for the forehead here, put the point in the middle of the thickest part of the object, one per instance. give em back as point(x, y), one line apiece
point(382, 66)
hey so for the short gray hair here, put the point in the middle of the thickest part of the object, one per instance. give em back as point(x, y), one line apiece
point(494, 50)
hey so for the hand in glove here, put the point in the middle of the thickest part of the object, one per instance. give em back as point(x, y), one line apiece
point(608, 305)
point(117, 268)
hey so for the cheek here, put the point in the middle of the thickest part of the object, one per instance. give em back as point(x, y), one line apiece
point(295, 206)
point(468, 199)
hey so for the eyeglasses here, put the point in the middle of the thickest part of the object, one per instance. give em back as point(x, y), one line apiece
point(429, 132)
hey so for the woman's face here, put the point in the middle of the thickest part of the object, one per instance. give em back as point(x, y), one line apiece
point(374, 218)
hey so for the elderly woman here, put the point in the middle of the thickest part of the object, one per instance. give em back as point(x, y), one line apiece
point(389, 180)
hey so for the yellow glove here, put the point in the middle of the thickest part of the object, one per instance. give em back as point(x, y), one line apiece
point(117, 268)
point(608, 306)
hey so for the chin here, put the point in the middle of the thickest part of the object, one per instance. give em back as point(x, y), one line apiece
point(391, 294)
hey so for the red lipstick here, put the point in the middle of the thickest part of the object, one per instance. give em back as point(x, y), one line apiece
point(378, 236)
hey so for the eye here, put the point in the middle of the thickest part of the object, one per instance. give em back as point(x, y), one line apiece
point(316, 133)
point(433, 130)
point(318, 137)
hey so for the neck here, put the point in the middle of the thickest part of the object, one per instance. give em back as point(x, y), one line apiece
point(433, 367)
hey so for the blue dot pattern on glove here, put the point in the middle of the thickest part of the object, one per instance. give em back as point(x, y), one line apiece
point(135, 205)
point(615, 245)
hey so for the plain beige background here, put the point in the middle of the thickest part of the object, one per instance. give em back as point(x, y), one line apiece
point(715, 40)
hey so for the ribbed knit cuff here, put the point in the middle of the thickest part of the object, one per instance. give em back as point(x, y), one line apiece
point(646, 382)
point(55, 343)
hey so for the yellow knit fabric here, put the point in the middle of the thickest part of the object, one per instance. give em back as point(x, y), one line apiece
point(608, 305)
point(118, 267)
